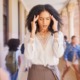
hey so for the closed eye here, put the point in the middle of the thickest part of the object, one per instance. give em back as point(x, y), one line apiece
point(47, 18)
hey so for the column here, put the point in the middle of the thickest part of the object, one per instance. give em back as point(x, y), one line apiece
point(64, 15)
point(71, 18)
point(64, 12)
point(22, 21)
point(13, 19)
point(79, 19)
point(1, 30)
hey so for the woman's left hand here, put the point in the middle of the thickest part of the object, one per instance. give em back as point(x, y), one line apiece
point(55, 28)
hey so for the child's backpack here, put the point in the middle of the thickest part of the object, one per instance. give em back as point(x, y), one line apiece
point(11, 64)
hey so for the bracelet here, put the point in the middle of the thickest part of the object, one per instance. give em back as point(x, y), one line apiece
point(55, 31)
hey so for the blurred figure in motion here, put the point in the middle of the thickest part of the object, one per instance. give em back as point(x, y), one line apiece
point(22, 75)
point(13, 58)
point(71, 57)
point(66, 43)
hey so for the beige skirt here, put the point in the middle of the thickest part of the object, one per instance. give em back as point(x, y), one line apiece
point(39, 72)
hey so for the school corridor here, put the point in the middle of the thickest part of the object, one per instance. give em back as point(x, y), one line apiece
point(13, 15)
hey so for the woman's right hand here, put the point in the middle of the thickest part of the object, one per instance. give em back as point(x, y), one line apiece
point(33, 23)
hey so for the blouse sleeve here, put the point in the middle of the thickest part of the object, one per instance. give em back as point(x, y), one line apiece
point(58, 47)
point(29, 51)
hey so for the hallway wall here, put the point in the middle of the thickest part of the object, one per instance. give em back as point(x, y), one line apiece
point(66, 14)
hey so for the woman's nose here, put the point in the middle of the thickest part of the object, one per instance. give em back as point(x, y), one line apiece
point(44, 22)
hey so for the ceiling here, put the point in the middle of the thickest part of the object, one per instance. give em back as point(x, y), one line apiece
point(57, 4)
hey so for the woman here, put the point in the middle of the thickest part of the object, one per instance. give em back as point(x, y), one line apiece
point(43, 43)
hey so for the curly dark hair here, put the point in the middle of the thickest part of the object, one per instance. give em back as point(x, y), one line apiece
point(36, 10)
point(13, 44)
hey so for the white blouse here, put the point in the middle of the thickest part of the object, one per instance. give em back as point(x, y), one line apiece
point(36, 54)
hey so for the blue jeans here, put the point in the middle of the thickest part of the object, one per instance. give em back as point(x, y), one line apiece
point(14, 76)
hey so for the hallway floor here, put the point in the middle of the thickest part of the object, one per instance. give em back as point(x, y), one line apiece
point(70, 75)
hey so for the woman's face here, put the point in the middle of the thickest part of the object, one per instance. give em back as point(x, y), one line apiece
point(44, 20)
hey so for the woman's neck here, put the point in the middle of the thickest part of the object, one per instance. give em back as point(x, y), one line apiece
point(43, 32)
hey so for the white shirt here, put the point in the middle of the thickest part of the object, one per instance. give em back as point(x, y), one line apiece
point(18, 53)
point(36, 54)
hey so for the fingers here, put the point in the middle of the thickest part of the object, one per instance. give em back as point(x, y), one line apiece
point(35, 18)
point(33, 23)
point(55, 28)
point(53, 18)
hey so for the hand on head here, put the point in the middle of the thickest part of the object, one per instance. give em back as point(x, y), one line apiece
point(55, 28)
point(33, 23)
